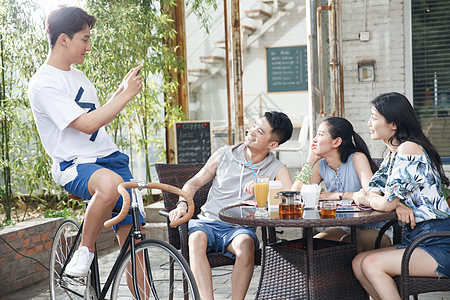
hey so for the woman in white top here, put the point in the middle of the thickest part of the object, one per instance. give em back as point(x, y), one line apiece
point(410, 181)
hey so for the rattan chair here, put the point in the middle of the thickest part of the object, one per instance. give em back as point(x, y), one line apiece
point(411, 285)
point(177, 175)
point(377, 161)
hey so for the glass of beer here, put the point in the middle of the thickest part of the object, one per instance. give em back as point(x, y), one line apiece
point(261, 187)
point(328, 208)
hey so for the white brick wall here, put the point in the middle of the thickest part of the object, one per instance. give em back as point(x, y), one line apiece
point(384, 22)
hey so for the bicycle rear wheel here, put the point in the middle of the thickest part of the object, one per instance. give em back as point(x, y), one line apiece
point(64, 287)
point(161, 273)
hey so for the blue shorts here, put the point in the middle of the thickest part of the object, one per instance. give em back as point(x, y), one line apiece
point(220, 234)
point(117, 162)
point(438, 248)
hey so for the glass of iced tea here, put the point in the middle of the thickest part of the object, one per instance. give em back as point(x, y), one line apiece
point(261, 187)
point(328, 208)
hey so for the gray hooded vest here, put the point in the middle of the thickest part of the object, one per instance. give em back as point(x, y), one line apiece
point(232, 174)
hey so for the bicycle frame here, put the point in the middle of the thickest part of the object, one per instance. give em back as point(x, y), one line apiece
point(130, 243)
point(134, 234)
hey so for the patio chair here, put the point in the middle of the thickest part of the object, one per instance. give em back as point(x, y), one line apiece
point(177, 175)
point(411, 285)
point(377, 161)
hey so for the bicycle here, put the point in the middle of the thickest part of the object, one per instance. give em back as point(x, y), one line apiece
point(149, 269)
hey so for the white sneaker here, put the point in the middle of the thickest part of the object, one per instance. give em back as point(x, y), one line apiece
point(80, 263)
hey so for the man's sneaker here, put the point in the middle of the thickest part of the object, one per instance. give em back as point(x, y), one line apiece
point(80, 263)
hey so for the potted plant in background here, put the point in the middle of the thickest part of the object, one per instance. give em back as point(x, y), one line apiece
point(447, 194)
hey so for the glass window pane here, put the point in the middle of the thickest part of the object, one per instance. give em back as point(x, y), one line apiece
point(431, 70)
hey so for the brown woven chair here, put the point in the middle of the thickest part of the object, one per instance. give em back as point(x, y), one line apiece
point(414, 285)
point(377, 161)
point(177, 175)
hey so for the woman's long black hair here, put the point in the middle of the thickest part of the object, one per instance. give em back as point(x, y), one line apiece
point(397, 109)
point(340, 127)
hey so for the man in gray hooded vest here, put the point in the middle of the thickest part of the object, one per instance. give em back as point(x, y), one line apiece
point(231, 173)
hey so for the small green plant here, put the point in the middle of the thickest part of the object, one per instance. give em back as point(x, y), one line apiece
point(6, 223)
point(446, 190)
point(58, 213)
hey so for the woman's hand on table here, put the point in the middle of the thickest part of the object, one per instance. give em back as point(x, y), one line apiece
point(361, 197)
point(328, 196)
point(325, 196)
point(405, 214)
point(334, 196)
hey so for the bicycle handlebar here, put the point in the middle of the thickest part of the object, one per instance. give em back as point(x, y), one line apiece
point(122, 189)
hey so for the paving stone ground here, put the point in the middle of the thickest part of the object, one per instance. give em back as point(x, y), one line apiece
point(221, 282)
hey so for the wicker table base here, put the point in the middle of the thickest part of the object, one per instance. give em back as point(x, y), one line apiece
point(290, 273)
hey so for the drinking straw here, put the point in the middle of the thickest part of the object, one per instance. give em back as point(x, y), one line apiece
point(251, 166)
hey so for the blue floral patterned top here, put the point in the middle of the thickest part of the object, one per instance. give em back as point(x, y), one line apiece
point(413, 180)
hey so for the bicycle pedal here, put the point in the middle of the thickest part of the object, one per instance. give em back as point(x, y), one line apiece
point(75, 280)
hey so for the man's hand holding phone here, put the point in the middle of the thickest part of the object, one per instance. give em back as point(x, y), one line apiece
point(132, 83)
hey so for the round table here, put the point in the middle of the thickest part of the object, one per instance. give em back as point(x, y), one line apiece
point(307, 268)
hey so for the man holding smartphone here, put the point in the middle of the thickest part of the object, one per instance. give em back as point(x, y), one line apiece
point(71, 124)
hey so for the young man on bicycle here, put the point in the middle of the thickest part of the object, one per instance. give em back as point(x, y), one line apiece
point(71, 124)
point(231, 172)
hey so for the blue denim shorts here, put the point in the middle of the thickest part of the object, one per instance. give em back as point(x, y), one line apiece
point(117, 162)
point(438, 248)
point(220, 234)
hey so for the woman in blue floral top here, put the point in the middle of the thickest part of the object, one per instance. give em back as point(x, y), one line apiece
point(410, 181)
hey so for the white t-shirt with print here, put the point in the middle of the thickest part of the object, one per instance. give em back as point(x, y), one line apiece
point(57, 98)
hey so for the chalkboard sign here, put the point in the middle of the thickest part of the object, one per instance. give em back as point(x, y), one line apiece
point(287, 69)
point(193, 141)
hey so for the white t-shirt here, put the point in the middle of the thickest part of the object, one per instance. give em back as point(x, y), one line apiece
point(57, 98)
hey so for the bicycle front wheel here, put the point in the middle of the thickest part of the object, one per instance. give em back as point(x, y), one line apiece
point(63, 286)
point(161, 273)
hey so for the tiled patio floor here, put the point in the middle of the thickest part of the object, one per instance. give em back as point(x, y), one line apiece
point(221, 281)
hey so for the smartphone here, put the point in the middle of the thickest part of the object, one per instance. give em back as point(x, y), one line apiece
point(348, 209)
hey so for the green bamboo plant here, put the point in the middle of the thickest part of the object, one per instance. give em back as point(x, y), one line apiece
point(135, 32)
point(6, 191)
point(24, 164)
point(128, 33)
